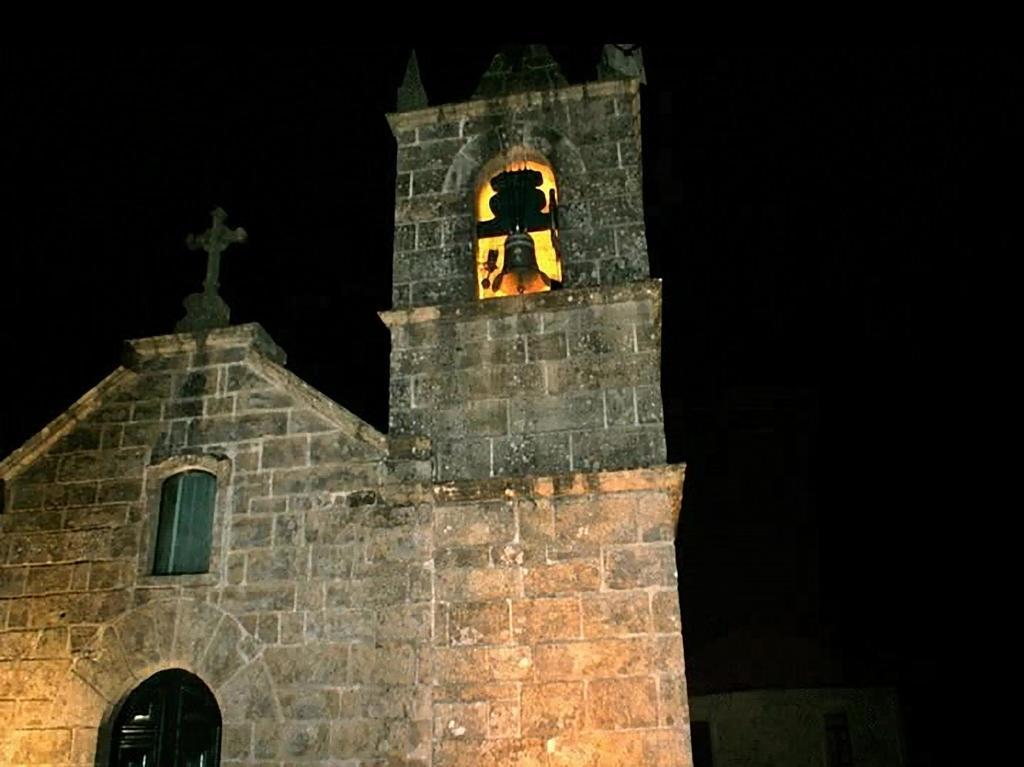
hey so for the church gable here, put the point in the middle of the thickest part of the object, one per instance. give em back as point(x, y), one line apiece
point(179, 398)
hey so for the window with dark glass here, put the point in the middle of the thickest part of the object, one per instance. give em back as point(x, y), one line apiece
point(837, 741)
point(170, 720)
point(185, 531)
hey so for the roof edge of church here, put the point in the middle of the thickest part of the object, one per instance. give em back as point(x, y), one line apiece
point(263, 354)
point(347, 421)
point(41, 441)
point(251, 335)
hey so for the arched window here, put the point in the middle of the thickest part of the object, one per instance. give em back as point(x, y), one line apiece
point(185, 531)
point(170, 720)
point(517, 249)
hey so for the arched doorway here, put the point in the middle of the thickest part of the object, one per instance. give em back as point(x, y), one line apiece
point(170, 720)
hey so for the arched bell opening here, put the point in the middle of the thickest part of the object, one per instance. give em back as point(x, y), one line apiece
point(170, 720)
point(516, 207)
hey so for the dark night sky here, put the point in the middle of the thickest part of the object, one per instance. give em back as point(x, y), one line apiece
point(801, 210)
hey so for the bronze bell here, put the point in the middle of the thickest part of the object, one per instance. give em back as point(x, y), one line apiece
point(520, 264)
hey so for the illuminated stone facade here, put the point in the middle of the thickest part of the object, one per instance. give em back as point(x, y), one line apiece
point(493, 583)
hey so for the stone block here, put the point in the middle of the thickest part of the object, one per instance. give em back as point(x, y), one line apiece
point(656, 516)
point(599, 156)
point(383, 663)
point(332, 561)
point(479, 623)
point(546, 346)
point(252, 531)
point(605, 749)
point(304, 420)
point(620, 406)
point(311, 664)
point(472, 524)
point(111, 575)
point(594, 659)
point(248, 696)
point(41, 470)
point(189, 408)
point(503, 719)
point(261, 399)
point(615, 614)
point(335, 447)
point(582, 523)
point(15, 645)
point(277, 564)
point(462, 556)
point(463, 721)
point(288, 530)
point(640, 566)
point(469, 457)
point(258, 598)
point(408, 623)
point(476, 583)
point(83, 437)
point(102, 464)
point(96, 517)
point(33, 520)
point(12, 581)
point(285, 452)
point(673, 708)
point(602, 371)
point(305, 740)
point(227, 429)
point(331, 478)
point(441, 291)
point(621, 704)
point(51, 746)
point(49, 579)
point(544, 620)
point(356, 738)
point(242, 377)
point(119, 491)
point(667, 654)
point(552, 708)
point(222, 658)
point(379, 590)
point(618, 448)
point(609, 338)
point(522, 454)
point(562, 578)
point(665, 611)
point(236, 741)
point(649, 404)
point(544, 413)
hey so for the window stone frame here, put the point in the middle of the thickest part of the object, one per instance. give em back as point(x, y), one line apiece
point(153, 481)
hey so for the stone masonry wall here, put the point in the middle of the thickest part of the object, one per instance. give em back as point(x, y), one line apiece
point(591, 135)
point(544, 383)
point(557, 628)
point(353, 615)
point(311, 626)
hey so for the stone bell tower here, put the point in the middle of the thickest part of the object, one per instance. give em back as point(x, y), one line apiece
point(526, 336)
point(562, 380)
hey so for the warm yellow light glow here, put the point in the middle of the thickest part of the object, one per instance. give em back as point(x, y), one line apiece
point(547, 261)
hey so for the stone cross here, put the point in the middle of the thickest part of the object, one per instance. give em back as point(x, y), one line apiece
point(215, 241)
point(207, 310)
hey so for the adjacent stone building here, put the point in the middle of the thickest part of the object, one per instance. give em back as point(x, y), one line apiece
point(205, 560)
point(813, 727)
